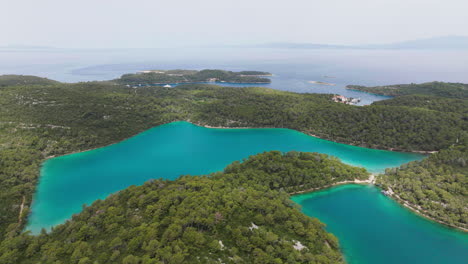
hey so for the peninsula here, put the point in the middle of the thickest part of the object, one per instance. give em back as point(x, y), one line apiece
point(442, 89)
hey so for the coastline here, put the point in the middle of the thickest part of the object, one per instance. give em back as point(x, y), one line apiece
point(357, 90)
point(370, 180)
point(420, 212)
point(20, 219)
point(392, 195)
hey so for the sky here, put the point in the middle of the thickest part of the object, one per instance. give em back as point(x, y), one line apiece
point(192, 23)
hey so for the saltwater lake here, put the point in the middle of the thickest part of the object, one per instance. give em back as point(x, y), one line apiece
point(373, 228)
point(168, 151)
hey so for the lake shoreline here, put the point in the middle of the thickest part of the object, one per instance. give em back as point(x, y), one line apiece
point(369, 181)
point(181, 136)
point(333, 205)
point(425, 152)
point(393, 196)
point(420, 212)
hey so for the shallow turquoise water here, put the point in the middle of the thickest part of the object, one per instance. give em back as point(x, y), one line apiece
point(372, 228)
point(168, 151)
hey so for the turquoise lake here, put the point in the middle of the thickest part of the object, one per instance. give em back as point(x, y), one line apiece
point(373, 228)
point(168, 151)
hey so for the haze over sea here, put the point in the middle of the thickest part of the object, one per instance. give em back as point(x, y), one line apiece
point(293, 68)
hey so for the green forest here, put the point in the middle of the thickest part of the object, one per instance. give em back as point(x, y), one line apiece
point(39, 121)
point(240, 215)
point(41, 118)
point(186, 76)
point(438, 185)
point(429, 102)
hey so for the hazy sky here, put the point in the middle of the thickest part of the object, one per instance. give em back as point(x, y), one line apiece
point(156, 23)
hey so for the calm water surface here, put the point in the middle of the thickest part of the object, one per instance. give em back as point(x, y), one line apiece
point(372, 228)
point(169, 151)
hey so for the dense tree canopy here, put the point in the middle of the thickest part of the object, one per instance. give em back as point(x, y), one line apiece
point(430, 102)
point(442, 89)
point(38, 121)
point(237, 216)
point(294, 171)
point(437, 185)
point(375, 126)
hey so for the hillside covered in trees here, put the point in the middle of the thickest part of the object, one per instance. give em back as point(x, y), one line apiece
point(241, 215)
point(38, 121)
point(9, 80)
point(437, 185)
point(429, 102)
point(442, 89)
point(191, 76)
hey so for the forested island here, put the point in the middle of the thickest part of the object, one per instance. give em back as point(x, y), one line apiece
point(155, 77)
point(40, 118)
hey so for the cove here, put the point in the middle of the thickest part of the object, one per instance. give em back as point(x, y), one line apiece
point(373, 228)
point(168, 151)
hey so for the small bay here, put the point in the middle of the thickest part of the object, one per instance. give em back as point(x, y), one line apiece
point(373, 228)
point(168, 151)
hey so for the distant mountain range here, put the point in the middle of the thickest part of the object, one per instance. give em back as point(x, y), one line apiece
point(437, 43)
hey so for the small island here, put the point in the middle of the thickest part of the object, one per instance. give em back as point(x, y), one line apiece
point(322, 83)
point(158, 77)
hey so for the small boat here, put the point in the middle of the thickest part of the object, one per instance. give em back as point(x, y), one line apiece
point(167, 86)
